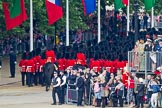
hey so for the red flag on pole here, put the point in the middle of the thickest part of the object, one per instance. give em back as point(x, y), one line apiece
point(54, 11)
point(16, 15)
point(125, 2)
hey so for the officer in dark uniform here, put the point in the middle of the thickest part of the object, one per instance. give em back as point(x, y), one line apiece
point(80, 88)
point(12, 63)
point(62, 87)
point(87, 87)
point(48, 72)
point(56, 81)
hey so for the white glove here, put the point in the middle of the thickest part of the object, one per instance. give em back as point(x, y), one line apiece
point(77, 88)
point(0, 67)
point(15, 62)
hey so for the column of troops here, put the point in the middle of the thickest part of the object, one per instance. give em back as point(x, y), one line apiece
point(32, 63)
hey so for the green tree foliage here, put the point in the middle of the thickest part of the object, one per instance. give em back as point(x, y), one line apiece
point(77, 18)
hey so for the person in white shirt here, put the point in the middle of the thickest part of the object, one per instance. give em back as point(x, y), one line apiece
point(56, 81)
point(62, 87)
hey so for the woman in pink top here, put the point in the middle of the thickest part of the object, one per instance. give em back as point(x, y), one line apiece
point(97, 92)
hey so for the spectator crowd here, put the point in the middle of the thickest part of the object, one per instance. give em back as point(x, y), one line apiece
point(97, 72)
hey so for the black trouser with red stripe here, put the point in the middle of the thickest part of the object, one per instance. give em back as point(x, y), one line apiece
point(36, 77)
point(29, 78)
point(23, 75)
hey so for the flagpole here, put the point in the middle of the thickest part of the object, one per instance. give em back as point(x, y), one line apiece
point(31, 25)
point(99, 21)
point(152, 17)
point(67, 22)
point(55, 33)
point(128, 18)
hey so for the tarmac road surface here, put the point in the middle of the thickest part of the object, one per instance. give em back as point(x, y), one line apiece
point(13, 95)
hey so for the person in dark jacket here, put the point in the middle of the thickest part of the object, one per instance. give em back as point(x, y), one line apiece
point(80, 88)
point(56, 81)
point(148, 46)
point(12, 63)
point(48, 72)
point(72, 79)
point(120, 92)
point(140, 93)
point(113, 94)
point(62, 87)
point(87, 85)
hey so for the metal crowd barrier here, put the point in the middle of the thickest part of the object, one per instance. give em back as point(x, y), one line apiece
point(71, 94)
point(158, 24)
point(144, 62)
point(89, 101)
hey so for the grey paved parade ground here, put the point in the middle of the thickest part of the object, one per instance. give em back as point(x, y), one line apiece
point(13, 95)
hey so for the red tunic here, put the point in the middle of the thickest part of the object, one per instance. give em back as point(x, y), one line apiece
point(120, 65)
point(30, 66)
point(96, 65)
point(70, 63)
point(115, 63)
point(130, 84)
point(61, 63)
point(102, 62)
point(37, 63)
point(22, 65)
point(42, 62)
point(125, 78)
point(109, 65)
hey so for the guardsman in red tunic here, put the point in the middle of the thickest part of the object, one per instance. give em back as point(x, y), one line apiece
point(109, 66)
point(22, 65)
point(30, 69)
point(121, 65)
point(115, 63)
point(106, 64)
point(61, 63)
point(37, 65)
point(70, 63)
point(70, 60)
point(95, 64)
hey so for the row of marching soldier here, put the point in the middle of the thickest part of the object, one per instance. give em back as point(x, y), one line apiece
point(80, 78)
point(31, 68)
